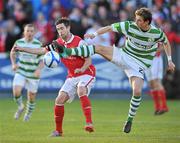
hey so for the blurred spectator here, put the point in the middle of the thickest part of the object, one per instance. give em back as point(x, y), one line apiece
point(172, 36)
point(130, 7)
point(114, 12)
point(9, 8)
point(91, 11)
point(44, 29)
point(45, 7)
point(13, 33)
point(2, 39)
point(1, 5)
point(103, 3)
point(20, 16)
point(103, 16)
point(57, 10)
point(80, 4)
point(175, 18)
point(28, 9)
point(2, 33)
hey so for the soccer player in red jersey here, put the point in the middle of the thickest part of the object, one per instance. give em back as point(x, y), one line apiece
point(154, 76)
point(80, 78)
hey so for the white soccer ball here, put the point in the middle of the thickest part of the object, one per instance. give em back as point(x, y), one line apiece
point(51, 59)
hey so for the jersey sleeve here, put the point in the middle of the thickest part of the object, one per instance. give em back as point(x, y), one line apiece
point(121, 27)
point(163, 38)
point(82, 42)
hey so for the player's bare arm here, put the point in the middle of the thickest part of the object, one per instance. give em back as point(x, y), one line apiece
point(167, 48)
point(38, 51)
point(99, 32)
point(87, 63)
point(13, 59)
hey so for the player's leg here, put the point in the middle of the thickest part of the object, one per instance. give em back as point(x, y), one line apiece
point(162, 97)
point(59, 113)
point(18, 84)
point(84, 86)
point(156, 85)
point(30, 105)
point(89, 50)
point(151, 75)
point(155, 95)
point(137, 84)
point(66, 94)
point(32, 88)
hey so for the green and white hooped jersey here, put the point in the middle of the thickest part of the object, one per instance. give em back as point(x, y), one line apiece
point(27, 62)
point(141, 46)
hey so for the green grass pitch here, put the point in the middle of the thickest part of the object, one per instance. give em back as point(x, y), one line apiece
point(108, 116)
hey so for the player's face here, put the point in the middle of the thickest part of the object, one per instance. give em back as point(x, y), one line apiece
point(62, 30)
point(29, 33)
point(141, 23)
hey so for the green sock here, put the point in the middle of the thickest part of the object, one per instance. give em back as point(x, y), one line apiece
point(84, 51)
point(134, 104)
point(30, 105)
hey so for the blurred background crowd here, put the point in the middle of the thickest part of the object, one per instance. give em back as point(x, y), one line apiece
point(86, 16)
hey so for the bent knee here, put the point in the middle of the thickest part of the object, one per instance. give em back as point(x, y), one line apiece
point(82, 90)
point(61, 98)
point(137, 91)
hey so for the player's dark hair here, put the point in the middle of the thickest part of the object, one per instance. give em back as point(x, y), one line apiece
point(145, 13)
point(63, 20)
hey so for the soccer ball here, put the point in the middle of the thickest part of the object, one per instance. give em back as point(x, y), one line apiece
point(51, 59)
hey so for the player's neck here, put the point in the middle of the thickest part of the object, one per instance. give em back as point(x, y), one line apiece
point(28, 39)
point(68, 37)
point(146, 28)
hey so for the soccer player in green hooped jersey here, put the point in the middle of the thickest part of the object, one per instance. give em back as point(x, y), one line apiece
point(134, 58)
point(28, 69)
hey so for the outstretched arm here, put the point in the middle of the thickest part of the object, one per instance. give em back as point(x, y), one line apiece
point(99, 32)
point(38, 51)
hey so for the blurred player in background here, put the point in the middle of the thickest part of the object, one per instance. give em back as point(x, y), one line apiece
point(80, 78)
point(154, 76)
point(27, 70)
point(137, 55)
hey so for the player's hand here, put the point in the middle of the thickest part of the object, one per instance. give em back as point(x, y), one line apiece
point(79, 70)
point(14, 67)
point(57, 46)
point(87, 36)
point(37, 73)
point(171, 66)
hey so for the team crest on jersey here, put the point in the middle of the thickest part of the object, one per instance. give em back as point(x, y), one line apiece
point(150, 39)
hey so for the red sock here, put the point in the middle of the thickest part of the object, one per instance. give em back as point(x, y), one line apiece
point(162, 95)
point(86, 107)
point(58, 117)
point(155, 97)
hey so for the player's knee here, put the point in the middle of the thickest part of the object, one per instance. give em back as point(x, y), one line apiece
point(137, 91)
point(61, 98)
point(31, 96)
point(82, 91)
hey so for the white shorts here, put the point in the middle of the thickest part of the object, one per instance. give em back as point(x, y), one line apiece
point(30, 84)
point(71, 84)
point(128, 65)
point(156, 70)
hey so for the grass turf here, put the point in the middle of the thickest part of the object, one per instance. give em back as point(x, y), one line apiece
point(108, 116)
